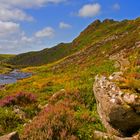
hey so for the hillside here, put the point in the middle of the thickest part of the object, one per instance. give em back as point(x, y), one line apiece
point(42, 57)
point(59, 97)
point(5, 56)
point(4, 68)
point(94, 33)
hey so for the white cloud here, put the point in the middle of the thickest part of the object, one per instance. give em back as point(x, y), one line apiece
point(8, 28)
point(13, 39)
point(7, 14)
point(90, 10)
point(14, 9)
point(46, 32)
point(63, 25)
point(116, 6)
point(10, 36)
point(28, 3)
point(27, 39)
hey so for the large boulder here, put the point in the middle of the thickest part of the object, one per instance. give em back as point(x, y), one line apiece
point(119, 111)
point(11, 136)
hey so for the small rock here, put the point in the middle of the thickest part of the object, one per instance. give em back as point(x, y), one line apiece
point(113, 100)
point(19, 112)
point(129, 98)
point(11, 136)
point(116, 76)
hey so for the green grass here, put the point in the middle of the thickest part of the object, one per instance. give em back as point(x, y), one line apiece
point(9, 121)
point(41, 57)
point(5, 68)
point(5, 56)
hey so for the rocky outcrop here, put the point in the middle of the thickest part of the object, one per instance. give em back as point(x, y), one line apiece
point(105, 136)
point(119, 111)
point(109, 21)
point(11, 136)
point(120, 60)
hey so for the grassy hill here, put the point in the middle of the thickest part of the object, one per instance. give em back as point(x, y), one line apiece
point(94, 33)
point(42, 57)
point(4, 68)
point(5, 56)
point(60, 92)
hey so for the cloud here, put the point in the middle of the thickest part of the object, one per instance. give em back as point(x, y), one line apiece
point(28, 3)
point(13, 14)
point(116, 6)
point(27, 39)
point(63, 25)
point(46, 32)
point(14, 9)
point(13, 39)
point(8, 28)
point(90, 10)
point(11, 36)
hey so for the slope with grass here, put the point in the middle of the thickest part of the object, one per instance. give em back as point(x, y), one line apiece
point(41, 57)
point(61, 91)
point(5, 56)
point(93, 34)
point(4, 68)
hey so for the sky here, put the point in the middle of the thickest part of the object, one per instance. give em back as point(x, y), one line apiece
point(31, 25)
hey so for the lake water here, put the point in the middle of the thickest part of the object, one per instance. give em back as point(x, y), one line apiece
point(12, 77)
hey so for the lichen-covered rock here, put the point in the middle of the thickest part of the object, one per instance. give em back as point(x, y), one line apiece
point(118, 111)
point(121, 61)
point(11, 136)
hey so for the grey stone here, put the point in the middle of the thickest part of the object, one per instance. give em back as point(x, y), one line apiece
point(105, 136)
point(11, 136)
point(117, 112)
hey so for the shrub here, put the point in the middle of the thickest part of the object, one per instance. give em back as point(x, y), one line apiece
point(20, 98)
point(55, 122)
point(61, 120)
point(133, 84)
point(9, 121)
